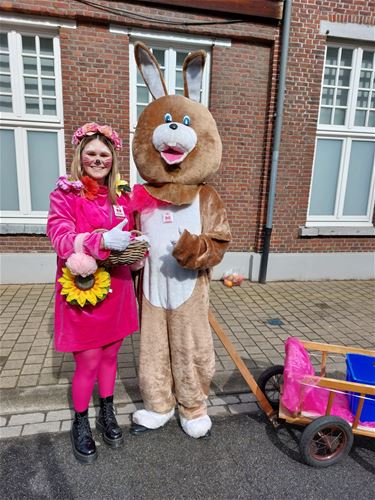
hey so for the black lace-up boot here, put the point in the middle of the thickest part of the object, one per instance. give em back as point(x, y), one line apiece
point(84, 448)
point(107, 424)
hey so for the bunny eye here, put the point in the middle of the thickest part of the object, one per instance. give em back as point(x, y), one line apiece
point(186, 120)
point(167, 118)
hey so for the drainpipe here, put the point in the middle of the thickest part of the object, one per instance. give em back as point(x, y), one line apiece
point(276, 139)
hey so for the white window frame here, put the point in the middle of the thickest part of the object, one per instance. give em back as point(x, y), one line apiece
point(25, 214)
point(15, 50)
point(21, 122)
point(170, 42)
point(346, 133)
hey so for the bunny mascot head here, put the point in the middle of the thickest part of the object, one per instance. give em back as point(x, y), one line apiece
point(176, 147)
point(176, 140)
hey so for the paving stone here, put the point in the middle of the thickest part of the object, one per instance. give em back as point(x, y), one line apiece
point(55, 415)
point(46, 380)
point(127, 372)
point(64, 380)
point(126, 409)
point(93, 411)
point(33, 358)
point(10, 373)
point(66, 425)
point(10, 336)
point(8, 382)
point(247, 397)
point(41, 342)
point(49, 370)
point(26, 418)
point(243, 408)
point(3, 421)
point(31, 369)
point(21, 346)
point(6, 343)
point(217, 411)
point(123, 419)
point(68, 366)
point(40, 428)
point(7, 432)
point(41, 350)
point(21, 355)
point(27, 380)
point(224, 400)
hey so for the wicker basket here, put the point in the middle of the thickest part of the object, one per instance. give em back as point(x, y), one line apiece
point(135, 251)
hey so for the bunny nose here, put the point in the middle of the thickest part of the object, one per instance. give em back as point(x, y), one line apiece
point(97, 162)
point(173, 126)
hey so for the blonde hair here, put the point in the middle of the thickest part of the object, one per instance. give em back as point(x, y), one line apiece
point(77, 172)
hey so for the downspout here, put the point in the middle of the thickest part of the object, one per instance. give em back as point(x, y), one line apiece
point(276, 139)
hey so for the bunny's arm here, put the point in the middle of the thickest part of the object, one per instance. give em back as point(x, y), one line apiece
point(203, 251)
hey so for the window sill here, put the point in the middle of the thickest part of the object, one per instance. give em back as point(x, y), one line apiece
point(313, 232)
point(14, 228)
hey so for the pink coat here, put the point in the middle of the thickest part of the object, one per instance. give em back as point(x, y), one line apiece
point(76, 328)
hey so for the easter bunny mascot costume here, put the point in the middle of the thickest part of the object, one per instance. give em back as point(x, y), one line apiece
point(176, 147)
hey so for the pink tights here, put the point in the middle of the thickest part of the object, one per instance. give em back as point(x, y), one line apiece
point(91, 365)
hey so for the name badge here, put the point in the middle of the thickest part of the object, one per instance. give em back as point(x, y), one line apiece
point(167, 217)
point(119, 211)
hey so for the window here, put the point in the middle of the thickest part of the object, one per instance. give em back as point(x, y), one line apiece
point(342, 187)
point(170, 58)
point(31, 130)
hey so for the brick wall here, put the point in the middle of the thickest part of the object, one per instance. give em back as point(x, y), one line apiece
point(95, 75)
point(240, 105)
point(95, 70)
point(305, 67)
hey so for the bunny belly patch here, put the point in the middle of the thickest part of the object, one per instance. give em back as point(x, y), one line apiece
point(165, 283)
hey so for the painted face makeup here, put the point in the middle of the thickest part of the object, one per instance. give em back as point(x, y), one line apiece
point(96, 160)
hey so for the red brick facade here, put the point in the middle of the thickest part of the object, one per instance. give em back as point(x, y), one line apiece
point(95, 72)
point(305, 69)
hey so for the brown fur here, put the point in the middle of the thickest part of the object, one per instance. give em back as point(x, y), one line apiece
point(178, 194)
point(204, 251)
point(201, 162)
point(177, 354)
point(177, 358)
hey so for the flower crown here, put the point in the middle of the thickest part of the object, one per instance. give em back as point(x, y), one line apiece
point(94, 128)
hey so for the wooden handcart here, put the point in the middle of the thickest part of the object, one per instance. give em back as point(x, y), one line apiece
point(326, 439)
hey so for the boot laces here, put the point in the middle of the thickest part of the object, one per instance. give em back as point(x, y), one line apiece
point(84, 428)
point(109, 414)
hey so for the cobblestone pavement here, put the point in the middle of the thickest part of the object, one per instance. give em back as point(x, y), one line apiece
point(35, 380)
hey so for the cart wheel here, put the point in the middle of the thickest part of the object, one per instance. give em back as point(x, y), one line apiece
point(270, 383)
point(326, 441)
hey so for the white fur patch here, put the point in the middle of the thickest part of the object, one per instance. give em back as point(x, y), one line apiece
point(165, 283)
point(183, 138)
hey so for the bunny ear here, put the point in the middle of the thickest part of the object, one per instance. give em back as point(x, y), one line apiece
point(150, 70)
point(193, 71)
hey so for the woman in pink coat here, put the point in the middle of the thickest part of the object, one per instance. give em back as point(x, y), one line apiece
point(94, 309)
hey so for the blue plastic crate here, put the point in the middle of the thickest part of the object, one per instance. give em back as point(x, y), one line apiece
point(361, 369)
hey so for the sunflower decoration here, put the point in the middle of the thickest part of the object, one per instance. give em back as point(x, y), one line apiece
point(90, 289)
point(121, 185)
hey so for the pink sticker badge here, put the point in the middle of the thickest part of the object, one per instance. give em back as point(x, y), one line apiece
point(119, 211)
point(167, 217)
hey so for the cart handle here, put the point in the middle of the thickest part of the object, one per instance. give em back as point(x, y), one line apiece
point(251, 382)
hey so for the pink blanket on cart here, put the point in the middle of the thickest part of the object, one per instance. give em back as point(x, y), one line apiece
point(300, 392)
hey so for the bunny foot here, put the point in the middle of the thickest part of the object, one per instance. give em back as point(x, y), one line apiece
point(151, 419)
point(197, 427)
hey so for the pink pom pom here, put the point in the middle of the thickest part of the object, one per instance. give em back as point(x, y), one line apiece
point(81, 264)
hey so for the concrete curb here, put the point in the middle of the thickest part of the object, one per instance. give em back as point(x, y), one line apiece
point(59, 420)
